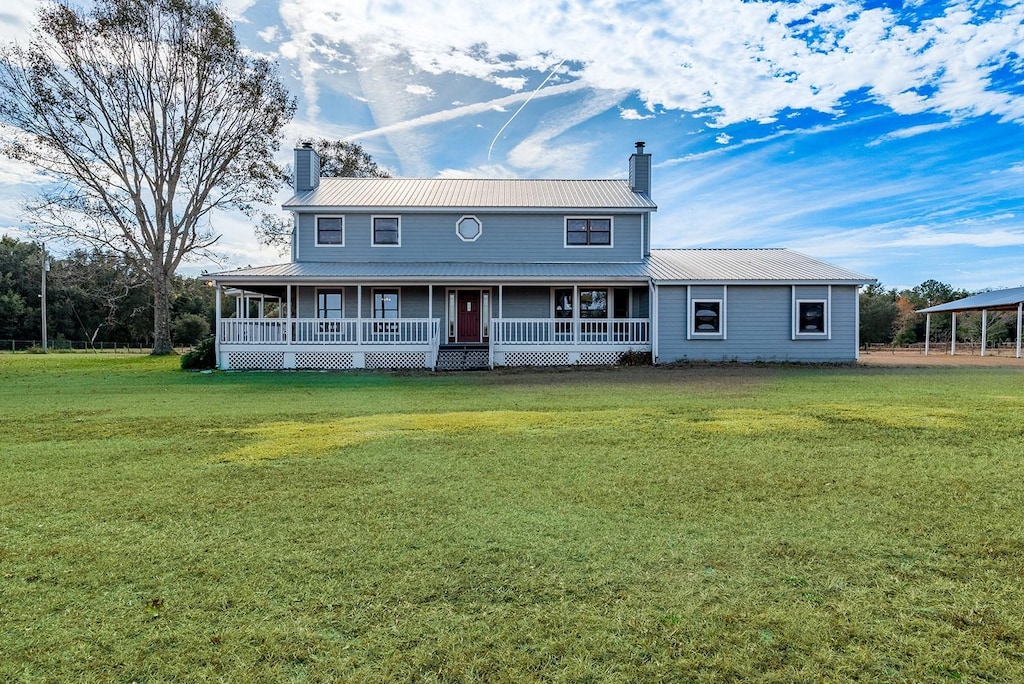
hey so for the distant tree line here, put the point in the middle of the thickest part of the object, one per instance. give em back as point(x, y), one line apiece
point(888, 316)
point(94, 296)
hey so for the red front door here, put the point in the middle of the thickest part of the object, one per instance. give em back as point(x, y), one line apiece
point(467, 319)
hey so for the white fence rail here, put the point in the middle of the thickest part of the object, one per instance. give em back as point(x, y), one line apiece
point(325, 331)
point(587, 331)
point(620, 332)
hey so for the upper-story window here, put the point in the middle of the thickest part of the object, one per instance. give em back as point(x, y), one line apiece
point(387, 231)
point(588, 232)
point(330, 231)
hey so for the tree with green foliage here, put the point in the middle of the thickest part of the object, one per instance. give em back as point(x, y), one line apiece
point(149, 117)
point(338, 159)
point(877, 314)
point(20, 274)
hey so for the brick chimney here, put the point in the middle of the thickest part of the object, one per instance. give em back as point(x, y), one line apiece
point(640, 171)
point(307, 168)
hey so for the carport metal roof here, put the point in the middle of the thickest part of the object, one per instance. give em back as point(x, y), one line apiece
point(996, 300)
point(1003, 300)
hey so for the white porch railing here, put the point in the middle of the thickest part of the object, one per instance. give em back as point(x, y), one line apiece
point(626, 332)
point(329, 331)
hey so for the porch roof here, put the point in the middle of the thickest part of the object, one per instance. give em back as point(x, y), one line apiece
point(664, 266)
point(425, 271)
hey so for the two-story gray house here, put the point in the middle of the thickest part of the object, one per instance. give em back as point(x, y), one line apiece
point(456, 273)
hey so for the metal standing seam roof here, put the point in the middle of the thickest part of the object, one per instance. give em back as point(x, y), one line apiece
point(663, 266)
point(746, 265)
point(456, 194)
point(995, 299)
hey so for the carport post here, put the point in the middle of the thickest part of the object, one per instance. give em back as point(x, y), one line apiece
point(1020, 306)
point(984, 330)
point(927, 332)
point(952, 337)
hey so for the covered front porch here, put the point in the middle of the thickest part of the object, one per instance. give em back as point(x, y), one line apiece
point(387, 325)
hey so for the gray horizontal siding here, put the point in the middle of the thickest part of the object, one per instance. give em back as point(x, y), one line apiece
point(537, 238)
point(759, 326)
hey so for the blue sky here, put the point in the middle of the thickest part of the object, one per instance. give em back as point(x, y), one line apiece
point(883, 136)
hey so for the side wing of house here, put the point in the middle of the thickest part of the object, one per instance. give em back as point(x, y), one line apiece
point(754, 305)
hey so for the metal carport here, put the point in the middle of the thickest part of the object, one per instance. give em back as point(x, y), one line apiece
point(996, 300)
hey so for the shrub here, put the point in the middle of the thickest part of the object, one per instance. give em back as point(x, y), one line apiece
point(635, 358)
point(190, 328)
point(202, 356)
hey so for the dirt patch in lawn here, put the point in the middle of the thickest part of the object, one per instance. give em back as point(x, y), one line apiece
point(916, 357)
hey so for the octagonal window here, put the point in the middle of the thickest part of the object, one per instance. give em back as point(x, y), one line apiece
point(469, 228)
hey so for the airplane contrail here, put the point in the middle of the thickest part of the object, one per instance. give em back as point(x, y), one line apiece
point(521, 107)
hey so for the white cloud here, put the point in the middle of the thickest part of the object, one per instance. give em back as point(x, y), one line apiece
point(911, 132)
point(633, 115)
point(422, 90)
point(16, 20)
point(737, 60)
point(723, 139)
point(271, 34)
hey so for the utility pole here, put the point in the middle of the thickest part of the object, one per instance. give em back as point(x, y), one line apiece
point(42, 294)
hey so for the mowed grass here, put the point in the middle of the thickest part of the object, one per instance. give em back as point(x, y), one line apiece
point(688, 524)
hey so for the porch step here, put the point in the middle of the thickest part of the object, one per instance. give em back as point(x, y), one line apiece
point(463, 357)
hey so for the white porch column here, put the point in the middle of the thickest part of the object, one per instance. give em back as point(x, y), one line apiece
point(575, 314)
point(501, 301)
point(1020, 310)
point(216, 337)
point(927, 332)
point(952, 337)
point(288, 315)
point(359, 315)
point(653, 317)
point(984, 331)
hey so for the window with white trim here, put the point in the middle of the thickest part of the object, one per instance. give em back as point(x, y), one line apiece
point(330, 303)
point(588, 231)
point(706, 317)
point(812, 317)
point(387, 231)
point(594, 303)
point(330, 231)
point(385, 304)
point(563, 302)
point(469, 228)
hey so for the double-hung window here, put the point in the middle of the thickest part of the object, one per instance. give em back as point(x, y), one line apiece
point(594, 303)
point(588, 232)
point(330, 304)
point(387, 231)
point(330, 231)
point(385, 308)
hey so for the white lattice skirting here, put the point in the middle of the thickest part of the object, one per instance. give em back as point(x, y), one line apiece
point(608, 358)
point(323, 360)
point(256, 360)
point(394, 360)
point(536, 359)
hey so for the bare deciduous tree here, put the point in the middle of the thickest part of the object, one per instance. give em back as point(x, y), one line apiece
point(148, 117)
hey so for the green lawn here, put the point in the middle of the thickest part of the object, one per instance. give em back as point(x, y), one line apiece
point(689, 524)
